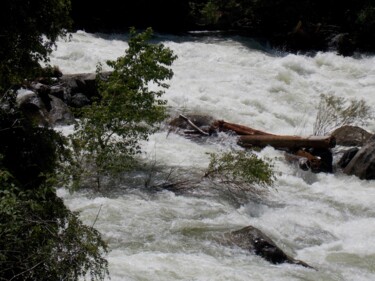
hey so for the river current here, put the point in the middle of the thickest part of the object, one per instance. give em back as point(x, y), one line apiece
point(326, 220)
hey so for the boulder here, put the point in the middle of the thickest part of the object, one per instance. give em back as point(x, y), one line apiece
point(351, 136)
point(79, 100)
point(46, 111)
point(32, 106)
point(255, 241)
point(363, 163)
point(61, 92)
point(60, 113)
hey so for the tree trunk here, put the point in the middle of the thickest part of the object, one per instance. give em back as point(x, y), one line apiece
point(290, 142)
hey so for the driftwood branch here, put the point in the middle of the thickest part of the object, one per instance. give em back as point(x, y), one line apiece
point(193, 125)
point(312, 152)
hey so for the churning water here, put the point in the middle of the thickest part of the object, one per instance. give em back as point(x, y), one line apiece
point(326, 220)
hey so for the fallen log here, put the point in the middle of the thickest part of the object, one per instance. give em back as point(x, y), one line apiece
point(221, 125)
point(290, 142)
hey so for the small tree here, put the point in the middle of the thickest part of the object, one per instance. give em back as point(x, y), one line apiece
point(128, 110)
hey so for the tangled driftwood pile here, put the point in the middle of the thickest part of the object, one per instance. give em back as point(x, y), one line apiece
point(313, 152)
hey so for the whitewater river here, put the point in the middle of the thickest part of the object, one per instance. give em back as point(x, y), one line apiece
point(326, 220)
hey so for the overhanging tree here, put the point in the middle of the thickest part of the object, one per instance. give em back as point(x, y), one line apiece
point(129, 109)
point(28, 32)
point(40, 238)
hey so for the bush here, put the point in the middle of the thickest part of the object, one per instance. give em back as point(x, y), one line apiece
point(335, 112)
point(241, 171)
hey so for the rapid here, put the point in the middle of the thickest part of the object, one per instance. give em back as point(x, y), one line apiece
point(326, 220)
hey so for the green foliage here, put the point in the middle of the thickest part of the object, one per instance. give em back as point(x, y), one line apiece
point(28, 31)
point(40, 239)
point(206, 13)
point(292, 24)
point(240, 170)
point(30, 153)
point(365, 23)
point(128, 110)
point(335, 112)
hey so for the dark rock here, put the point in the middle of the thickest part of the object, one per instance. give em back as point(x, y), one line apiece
point(84, 83)
point(326, 160)
point(343, 43)
point(60, 92)
point(347, 157)
point(34, 107)
point(60, 113)
point(79, 100)
point(43, 92)
point(252, 239)
point(363, 163)
point(351, 136)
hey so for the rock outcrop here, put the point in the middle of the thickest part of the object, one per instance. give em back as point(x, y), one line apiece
point(44, 110)
point(255, 241)
point(48, 101)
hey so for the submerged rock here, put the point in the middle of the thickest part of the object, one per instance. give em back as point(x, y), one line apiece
point(255, 241)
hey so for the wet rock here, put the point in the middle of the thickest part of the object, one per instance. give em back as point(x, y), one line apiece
point(60, 113)
point(83, 83)
point(34, 107)
point(79, 100)
point(363, 163)
point(60, 92)
point(347, 156)
point(351, 136)
point(255, 241)
point(343, 43)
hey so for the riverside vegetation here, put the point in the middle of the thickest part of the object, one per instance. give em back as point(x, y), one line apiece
point(40, 238)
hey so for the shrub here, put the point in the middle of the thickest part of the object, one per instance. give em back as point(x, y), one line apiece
point(334, 112)
point(241, 171)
